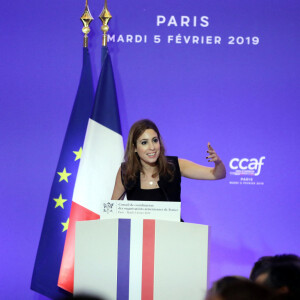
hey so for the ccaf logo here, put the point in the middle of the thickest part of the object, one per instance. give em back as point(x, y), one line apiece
point(245, 166)
point(246, 169)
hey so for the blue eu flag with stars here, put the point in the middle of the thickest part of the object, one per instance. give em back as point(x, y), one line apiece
point(50, 249)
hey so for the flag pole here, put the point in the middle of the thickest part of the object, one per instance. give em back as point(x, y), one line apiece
point(105, 17)
point(86, 19)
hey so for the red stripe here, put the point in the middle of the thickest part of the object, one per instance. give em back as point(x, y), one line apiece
point(148, 260)
point(66, 274)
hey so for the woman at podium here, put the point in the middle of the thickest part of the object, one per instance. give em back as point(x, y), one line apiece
point(147, 174)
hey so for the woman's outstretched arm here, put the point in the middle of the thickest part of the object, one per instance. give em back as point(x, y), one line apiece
point(192, 170)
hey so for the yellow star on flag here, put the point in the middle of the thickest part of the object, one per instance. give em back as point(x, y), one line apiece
point(78, 154)
point(66, 225)
point(63, 175)
point(59, 201)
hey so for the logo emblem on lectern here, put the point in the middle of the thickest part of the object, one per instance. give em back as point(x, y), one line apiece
point(107, 207)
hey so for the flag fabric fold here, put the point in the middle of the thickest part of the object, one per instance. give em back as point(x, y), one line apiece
point(51, 245)
point(101, 158)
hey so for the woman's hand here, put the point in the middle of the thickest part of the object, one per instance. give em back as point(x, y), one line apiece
point(213, 156)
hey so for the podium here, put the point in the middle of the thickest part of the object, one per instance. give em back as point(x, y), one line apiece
point(140, 259)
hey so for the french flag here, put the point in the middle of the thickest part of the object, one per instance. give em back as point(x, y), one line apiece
point(100, 160)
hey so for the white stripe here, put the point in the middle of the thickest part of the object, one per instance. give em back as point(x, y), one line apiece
point(100, 160)
point(136, 259)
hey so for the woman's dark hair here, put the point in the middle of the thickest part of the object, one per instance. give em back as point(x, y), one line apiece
point(132, 165)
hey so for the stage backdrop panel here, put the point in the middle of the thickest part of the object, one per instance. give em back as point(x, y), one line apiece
point(204, 71)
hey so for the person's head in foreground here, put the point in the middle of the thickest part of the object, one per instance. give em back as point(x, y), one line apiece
point(281, 273)
point(238, 288)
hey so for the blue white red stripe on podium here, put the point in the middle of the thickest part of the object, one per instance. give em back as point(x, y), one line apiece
point(140, 259)
point(144, 268)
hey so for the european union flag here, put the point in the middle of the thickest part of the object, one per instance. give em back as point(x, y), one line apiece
point(50, 250)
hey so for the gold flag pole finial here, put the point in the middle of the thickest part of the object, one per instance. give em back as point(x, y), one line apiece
point(105, 17)
point(86, 19)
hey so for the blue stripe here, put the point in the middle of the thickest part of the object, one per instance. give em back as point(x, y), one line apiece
point(123, 259)
point(106, 111)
